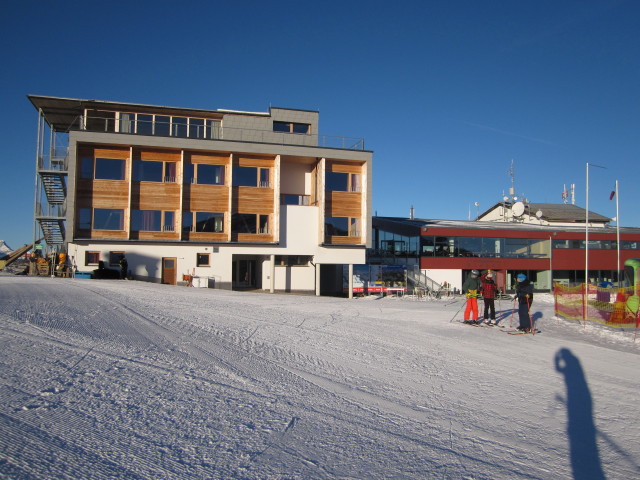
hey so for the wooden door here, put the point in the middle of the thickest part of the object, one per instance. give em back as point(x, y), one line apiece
point(169, 269)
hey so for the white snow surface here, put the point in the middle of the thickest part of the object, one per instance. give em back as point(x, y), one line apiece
point(122, 379)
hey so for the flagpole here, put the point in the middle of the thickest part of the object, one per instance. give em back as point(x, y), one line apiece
point(586, 247)
point(618, 231)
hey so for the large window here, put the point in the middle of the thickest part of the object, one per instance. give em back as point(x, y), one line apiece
point(152, 221)
point(154, 171)
point(204, 174)
point(251, 177)
point(486, 247)
point(108, 219)
point(249, 223)
point(342, 226)
point(109, 169)
point(205, 222)
point(343, 182)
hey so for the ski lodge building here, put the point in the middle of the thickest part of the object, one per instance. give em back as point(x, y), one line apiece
point(544, 241)
point(217, 198)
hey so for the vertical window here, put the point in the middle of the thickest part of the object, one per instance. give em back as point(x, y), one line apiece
point(264, 223)
point(179, 127)
point(202, 259)
point(84, 219)
point(196, 128)
point(168, 224)
point(170, 172)
point(214, 128)
point(354, 227)
point(144, 124)
point(91, 258)
point(264, 177)
point(127, 122)
point(86, 168)
point(162, 126)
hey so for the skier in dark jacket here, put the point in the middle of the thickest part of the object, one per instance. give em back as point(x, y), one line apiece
point(489, 290)
point(471, 289)
point(124, 267)
point(524, 295)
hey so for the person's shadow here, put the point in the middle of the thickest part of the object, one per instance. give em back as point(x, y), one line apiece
point(581, 429)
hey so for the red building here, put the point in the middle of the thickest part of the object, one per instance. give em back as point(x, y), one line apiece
point(548, 246)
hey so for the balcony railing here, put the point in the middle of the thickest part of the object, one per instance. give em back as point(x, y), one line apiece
point(216, 132)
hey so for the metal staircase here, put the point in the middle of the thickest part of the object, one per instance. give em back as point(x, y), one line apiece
point(51, 210)
point(420, 280)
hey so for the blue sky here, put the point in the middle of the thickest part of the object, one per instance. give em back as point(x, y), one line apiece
point(447, 94)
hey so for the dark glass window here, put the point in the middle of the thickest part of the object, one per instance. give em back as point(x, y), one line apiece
point(209, 222)
point(337, 181)
point(114, 258)
point(145, 124)
point(147, 171)
point(336, 226)
point(210, 174)
point(196, 128)
point(281, 127)
point(100, 121)
point(202, 259)
point(162, 126)
point(108, 219)
point(84, 219)
point(179, 127)
point(245, 176)
point(91, 258)
point(110, 169)
point(300, 128)
point(86, 167)
point(243, 223)
point(146, 220)
point(189, 173)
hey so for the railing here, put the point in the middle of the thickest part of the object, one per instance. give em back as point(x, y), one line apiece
point(217, 132)
point(57, 160)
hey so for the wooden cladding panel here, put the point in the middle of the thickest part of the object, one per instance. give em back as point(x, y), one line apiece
point(155, 236)
point(109, 234)
point(104, 152)
point(206, 237)
point(345, 167)
point(210, 159)
point(253, 200)
point(253, 237)
point(343, 204)
point(157, 155)
point(245, 161)
point(103, 194)
point(335, 240)
point(155, 196)
point(206, 198)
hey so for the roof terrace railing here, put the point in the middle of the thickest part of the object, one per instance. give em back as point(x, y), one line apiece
point(213, 130)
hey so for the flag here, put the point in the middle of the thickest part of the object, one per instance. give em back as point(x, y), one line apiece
point(613, 194)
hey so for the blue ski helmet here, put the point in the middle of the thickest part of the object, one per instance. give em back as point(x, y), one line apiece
point(521, 277)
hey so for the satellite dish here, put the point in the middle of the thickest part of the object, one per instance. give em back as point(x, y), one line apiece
point(518, 209)
point(539, 214)
point(505, 198)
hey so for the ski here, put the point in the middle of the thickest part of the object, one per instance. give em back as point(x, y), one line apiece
point(519, 332)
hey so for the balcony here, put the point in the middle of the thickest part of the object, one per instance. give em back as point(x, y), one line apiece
point(213, 130)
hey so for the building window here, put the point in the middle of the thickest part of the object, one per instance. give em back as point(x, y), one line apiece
point(205, 222)
point(292, 127)
point(146, 221)
point(109, 169)
point(144, 124)
point(204, 174)
point(249, 223)
point(336, 226)
point(292, 260)
point(108, 219)
point(179, 127)
point(202, 259)
point(343, 182)
point(114, 258)
point(84, 219)
point(251, 177)
point(154, 171)
point(91, 258)
point(100, 121)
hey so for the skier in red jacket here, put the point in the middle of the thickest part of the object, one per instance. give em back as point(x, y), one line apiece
point(489, 290)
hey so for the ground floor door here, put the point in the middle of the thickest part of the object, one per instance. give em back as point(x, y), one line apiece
point(169, 269)
point(245, 273)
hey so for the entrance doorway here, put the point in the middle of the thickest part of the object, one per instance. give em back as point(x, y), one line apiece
point(245, 273)
point(169, 269)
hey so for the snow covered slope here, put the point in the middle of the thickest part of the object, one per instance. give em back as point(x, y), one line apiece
point(119, 379)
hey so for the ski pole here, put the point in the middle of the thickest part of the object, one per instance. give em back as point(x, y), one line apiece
point(458, 311)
